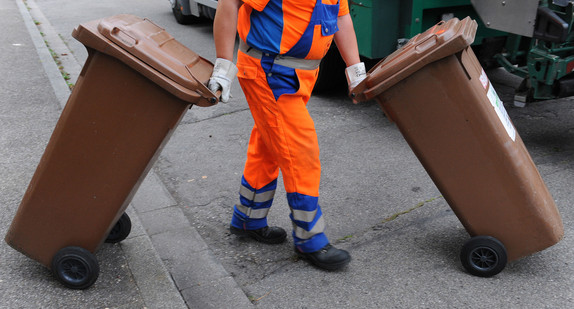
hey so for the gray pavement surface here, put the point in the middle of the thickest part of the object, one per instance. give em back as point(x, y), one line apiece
point(379, 202)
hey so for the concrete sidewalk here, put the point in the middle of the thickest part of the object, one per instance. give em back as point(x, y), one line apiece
point(133, 274)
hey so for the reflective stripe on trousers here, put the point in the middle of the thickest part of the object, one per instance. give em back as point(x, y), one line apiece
point(251, 211)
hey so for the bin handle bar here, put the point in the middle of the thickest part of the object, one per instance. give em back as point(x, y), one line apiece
point(203, 90)
point(151, 22)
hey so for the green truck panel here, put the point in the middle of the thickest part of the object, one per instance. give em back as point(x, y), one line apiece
point(382, 25)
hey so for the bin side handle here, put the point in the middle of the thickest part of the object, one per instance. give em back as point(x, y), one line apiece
point(208, 98)
point(357, 94)
point(363, 93)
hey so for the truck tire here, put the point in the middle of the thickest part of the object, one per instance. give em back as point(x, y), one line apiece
point(207, 12)
point(331, 73)
point(180, 17)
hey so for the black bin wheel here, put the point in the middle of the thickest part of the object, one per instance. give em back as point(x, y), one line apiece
point(75, 267)
point(121, 230)
point(483, 256)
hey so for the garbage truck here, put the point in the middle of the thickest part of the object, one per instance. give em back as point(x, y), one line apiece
point(539, 45)
point(529, 38)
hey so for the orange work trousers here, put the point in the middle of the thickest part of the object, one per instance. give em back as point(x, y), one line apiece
point(283, 138)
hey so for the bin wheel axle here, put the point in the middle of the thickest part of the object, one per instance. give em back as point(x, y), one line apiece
point(483, 256)
point(75, 267)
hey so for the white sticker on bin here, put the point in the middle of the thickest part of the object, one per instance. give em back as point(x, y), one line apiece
point(498, 106)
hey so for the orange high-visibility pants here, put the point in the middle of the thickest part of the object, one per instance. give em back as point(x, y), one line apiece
point(283, 138)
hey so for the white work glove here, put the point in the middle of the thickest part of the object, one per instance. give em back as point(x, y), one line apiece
point(224, 72)
point(355, 74)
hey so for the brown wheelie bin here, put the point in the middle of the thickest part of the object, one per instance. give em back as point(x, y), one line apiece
point(440, 98)
point(134, 88)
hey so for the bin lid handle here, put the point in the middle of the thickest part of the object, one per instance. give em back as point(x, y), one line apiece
point(124, 37)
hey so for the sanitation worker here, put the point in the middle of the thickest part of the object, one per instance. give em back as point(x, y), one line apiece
point(280, 48)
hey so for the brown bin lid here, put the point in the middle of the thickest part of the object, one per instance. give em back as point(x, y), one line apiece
point(442, 40)
point(150, 50)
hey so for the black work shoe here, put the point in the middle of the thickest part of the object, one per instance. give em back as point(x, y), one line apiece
point(329, 258)
point(268, 235)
